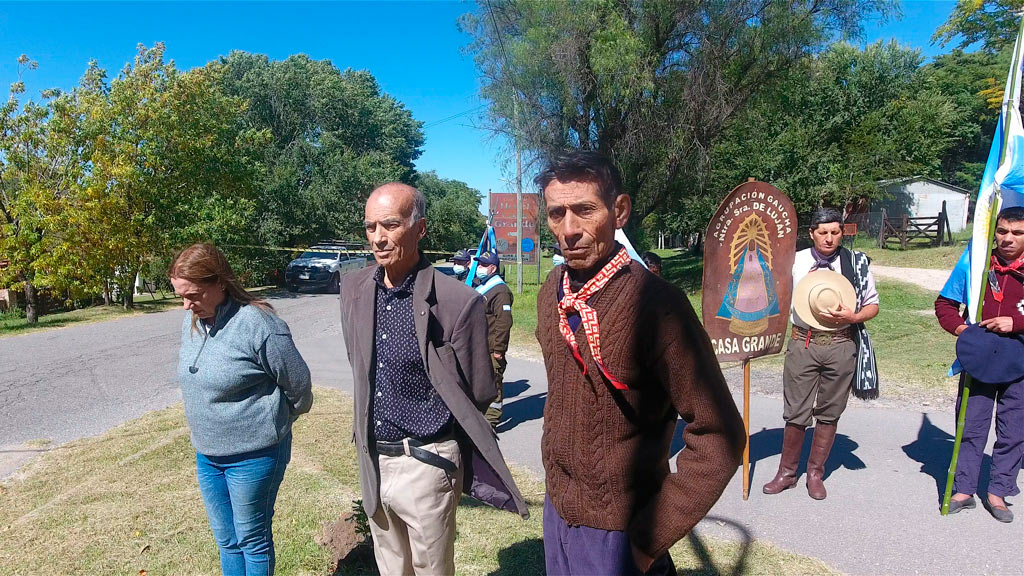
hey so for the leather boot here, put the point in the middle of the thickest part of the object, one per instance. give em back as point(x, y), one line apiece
point(821, 445)
point(792, 444)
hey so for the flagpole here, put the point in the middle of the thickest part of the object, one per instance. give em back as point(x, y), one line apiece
point(992, 216)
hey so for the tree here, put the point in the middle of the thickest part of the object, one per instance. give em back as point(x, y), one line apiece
point(334, 136)
point(651, 84)
point(837, 126)
point(171, 163)
point(993, 23)
point(974, 84)
point(454, 221)
point(40, 165)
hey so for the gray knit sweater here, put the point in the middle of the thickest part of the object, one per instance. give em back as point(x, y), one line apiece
point(243, 380)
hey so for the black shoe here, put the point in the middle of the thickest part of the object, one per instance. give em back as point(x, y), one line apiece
point(958, 505)
point(1001, 513)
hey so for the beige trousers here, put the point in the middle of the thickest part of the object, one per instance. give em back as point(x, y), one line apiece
point(414, 527)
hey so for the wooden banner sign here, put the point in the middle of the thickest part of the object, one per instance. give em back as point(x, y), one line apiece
point(748, 272)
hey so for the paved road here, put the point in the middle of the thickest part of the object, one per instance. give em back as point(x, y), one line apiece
point(884, 476)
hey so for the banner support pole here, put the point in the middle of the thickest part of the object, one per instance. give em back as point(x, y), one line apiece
point(746, 428)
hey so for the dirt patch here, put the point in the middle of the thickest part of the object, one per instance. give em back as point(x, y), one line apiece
point(926, 278)
point(351, 551)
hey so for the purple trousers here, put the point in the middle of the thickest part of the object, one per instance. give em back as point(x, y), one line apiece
point(585, 551)
point(1008, 450)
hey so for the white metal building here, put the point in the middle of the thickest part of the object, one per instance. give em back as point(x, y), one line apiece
point(920, 196)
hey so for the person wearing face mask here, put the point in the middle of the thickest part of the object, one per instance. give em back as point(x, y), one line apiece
point(498, 299)
point(557, 259)
point(460, 264)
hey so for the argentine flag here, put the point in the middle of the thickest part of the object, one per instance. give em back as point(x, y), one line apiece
point(1002, 186)
point(488, 243)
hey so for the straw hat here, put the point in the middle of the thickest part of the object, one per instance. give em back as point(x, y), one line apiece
point(820, 291)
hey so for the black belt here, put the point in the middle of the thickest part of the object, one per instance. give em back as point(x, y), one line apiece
point(415, 450)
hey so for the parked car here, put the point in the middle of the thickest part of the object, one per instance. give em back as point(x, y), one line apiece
point(321, 267)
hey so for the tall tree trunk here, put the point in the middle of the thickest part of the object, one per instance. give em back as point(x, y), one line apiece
point(128, 290)
point(31, 303)
point(129, 298)
point(106, 293)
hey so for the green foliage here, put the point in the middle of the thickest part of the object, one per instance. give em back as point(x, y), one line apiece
point(651, 84)
point(333, 137)
point(112, 177)
point(170, 164)
point(453, 218)
point(836, 126)
point(993, 23)
point(40, 166)
point(973, 83)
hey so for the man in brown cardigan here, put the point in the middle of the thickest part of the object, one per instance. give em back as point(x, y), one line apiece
point(625, 357)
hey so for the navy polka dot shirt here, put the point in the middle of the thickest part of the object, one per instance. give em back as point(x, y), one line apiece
point(405, 404)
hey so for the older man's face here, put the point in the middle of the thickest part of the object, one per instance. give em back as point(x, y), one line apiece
point(393, 234)
point(582, 222)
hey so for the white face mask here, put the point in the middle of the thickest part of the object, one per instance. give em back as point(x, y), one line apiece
point(458, 268)
point(483, 271)
point(558, 259)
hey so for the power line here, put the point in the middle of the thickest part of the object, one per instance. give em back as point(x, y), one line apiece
point(453, 116)
point(501, 44)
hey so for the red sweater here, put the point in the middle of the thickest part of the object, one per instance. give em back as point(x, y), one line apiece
point(950, 318)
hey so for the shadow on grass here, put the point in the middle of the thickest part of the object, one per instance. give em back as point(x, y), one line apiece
point(685, 270)
point(706, 566)
point(526, 558)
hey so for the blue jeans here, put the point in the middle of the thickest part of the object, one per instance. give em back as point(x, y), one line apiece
point(239, 492)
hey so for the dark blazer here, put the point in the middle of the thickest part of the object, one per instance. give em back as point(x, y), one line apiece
point(452, 333)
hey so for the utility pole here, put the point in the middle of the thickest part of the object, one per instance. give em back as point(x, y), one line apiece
point(537, 247)
point(519, 193)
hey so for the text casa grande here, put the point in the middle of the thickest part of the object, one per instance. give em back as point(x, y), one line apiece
point(745, 344)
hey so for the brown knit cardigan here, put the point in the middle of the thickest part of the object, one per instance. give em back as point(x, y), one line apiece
point(605, 450)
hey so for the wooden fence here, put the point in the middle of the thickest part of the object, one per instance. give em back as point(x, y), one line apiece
point(933, 230)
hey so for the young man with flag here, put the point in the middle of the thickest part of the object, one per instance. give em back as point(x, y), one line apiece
point(498, 307)
point(1002, 313)
point(625, 357)
point(979, 275)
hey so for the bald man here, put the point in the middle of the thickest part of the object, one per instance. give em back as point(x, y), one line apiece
point(417, 343)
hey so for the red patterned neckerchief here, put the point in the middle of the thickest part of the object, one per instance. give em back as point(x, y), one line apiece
point(1014, 266)
point(588, 315)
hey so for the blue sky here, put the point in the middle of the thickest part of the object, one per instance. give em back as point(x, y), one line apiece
point(414, 49)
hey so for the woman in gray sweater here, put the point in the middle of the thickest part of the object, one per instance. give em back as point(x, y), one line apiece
point(243, 383)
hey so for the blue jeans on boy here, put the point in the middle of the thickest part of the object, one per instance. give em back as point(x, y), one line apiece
point(239, 492)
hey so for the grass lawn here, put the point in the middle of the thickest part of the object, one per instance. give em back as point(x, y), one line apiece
point(128, 502)
point(11, 325)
